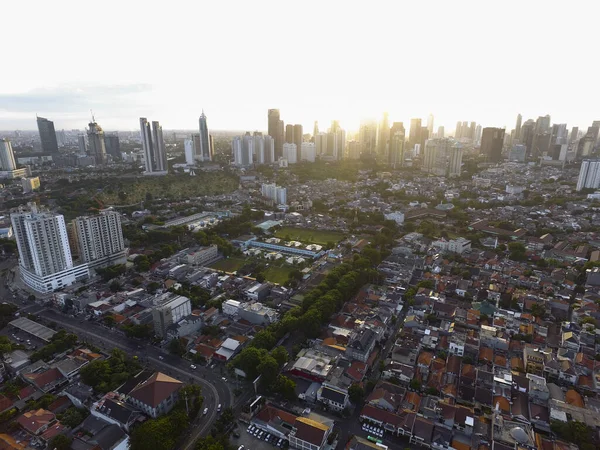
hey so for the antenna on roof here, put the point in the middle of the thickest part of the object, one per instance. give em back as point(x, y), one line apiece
point(93, 119)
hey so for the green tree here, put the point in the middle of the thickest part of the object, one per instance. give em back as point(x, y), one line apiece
point(60, 442)
point(415, 384)
point(176, 347)
point(356, 393)
point(280, 354)
point(285, 386)
point(264, 339)
point(268, 369)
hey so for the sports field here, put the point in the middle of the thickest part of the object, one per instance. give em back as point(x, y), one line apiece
point(309, 235)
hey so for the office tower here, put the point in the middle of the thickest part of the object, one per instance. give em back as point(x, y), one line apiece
point(100, 238)
point(518, 153)
point(527, 134)
point(61, 138)
point(289, 133)
point(541, 144)
point(437, 155)
point(440, 133)
point(396, 152)
point(585, 146)
point(472, 129)
point(458, 131)
point(269, 155)
point(368, 137)
point(430, 125)
point(415, 133)
point(518, 127)
point(47, 135)
point(589, 174)
point(205, 152)
point(155, 154)
point(321, 144)
point(7, 157)
point(82, 145)
point(383, 136)
point(243, 150)
point(298, 140)
point(574, 134)
point(424, 137)
point(258, 148)
point(290, 153)
point(45, 261)
point(275, 130)
point(455, 160)
point(492, 140)
point(339, 144)
point(308, 151)
point(559, 134)
point(542, 124)
point(188, 149)
point(97, 144)
point(478, 131)
point(594, 131)
point(315, 130)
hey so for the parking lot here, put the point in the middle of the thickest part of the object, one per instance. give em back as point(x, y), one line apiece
point(252, 439)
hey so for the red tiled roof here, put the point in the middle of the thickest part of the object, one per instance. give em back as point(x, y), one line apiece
point(381, 415)
point(309, 430)
point(54, 430)
point(32, 421)
point(44, 378)
point(5, 403)
point(58, 403)
point(155, 389)
point(269, 414)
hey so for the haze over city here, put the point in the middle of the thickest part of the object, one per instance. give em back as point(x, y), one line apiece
point(325, 61)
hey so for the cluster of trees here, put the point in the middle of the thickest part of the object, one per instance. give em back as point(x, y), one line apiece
point(164, 432)
point(8, 246)
point(73, 416)
point(576, 432)
point(517, 251)
point(198, 296)
point(60, 342)
point(138, 331)
point(7, 312)
point(108, 273)
point(409, 295)
point(107, 375)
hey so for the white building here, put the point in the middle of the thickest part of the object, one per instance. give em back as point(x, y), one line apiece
point(459, 245)
point(396, 216)
point(7, 157)
point(153, 144)
point(30, 184)
point(171, 311)
point(321, 144)
point(277, 194)
point(231, 307)
point(290, 153)
point(308, 152)
point(44, 254)
point(100, 239)
point(242, 148)
point(589, 174)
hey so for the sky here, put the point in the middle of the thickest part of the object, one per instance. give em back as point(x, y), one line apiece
point(313, 60)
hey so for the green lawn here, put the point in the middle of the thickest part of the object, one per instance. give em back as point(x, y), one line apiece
point(309, 236)
point(276, 274)
point(229, 264)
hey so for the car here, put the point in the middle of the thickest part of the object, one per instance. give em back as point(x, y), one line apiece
point(193, 367)
point(205, 411)
point(241, 447)
point(161, 357)
point(223, 378)
point(236, 435)
point(218, 407)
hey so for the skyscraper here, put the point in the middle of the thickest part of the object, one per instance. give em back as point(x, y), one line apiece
point(289, 134)
point(383, 136)
point(574, 134)
point(47, 135)
point(269, 155)
point(415, 133)
point(492, 141)
point(518, 127)
point(430, 125)
point(96, 140)
point(436, 156)
point(45, 261)
point(527, 134)
point(298, 140)
point(290, 152)
point(242, 148)
point(308, 152)
point(368, 137)
point(440, 133)
point(321, 144)
point(458, 131)
point(275, 130)
point(7, 157)
point(315, 130)
point(82, 145)
point(155, 155)
point(396, 151)
point(589, 174)
point(205, 150)
point(559, 134)
point(100, 238)
point(455, 163)
point(113, 146)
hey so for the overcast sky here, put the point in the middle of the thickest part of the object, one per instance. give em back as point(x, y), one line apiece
point(314, 60)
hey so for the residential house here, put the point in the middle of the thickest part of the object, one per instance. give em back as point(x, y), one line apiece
point(308, 434)
point(36, 422)
point(155, 395)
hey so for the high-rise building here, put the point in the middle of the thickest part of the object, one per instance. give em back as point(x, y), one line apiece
point(383, 136)
point(100, 239)
point(542, 124)
point(113, 145)
point(321, 144)
point(275, 130)
point(478, 131)
point(518, 127)
point(436, 156)
point(458, 130)
point(188, 149)
point(472, 129)
point(298, 137)
point(440, 133)
point(574, 134)
point(492, 141)
point(243, 150)
point(396, 152)
point(289, 133)
point(415, 133)
point(269, 155)
point(315, 130)
point(585, 146)
point(96, 141)
point(368, 137)
point(155, 154)
point(354, 148)
point(7, 157)
point(290, 153)
point(47, 135)
point(308, 151)
point(82, 144)
point(527, 135)
point(424, 137)
point(206, 150)
point(589, 174)
point(45, 261)
point(559, 134)
point(455, 160)
point(430, 125)
point(541, 143)
point(278, 195)
point(518, 153)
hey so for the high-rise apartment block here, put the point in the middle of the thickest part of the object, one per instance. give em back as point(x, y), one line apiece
point(45, 261)
point(308, 151)
point(96, 142)
point(397, 137)
point(30, 184)
point(242, 148)
point(47, 135)
point(383, 136)
point(113, 145)
point(321, 144)
point(7, 157)
point(298, 138)
point(442, 157)
point(492, 141)
point(275, 130)
point(155, 153)
point(290, 153)
point(100, 239)
point(278, 195)
point(589, 174)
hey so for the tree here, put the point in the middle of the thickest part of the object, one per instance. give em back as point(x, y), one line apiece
point(538, 310)
point(356, 393)
point(286, 387)
point(415, 384)
point(268, 369)
point(280, 354)
point(176, 347)
point(264, 339)
point(60, 442)
point(115, 286)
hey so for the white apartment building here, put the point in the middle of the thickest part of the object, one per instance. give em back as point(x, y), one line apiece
point(589, 174)
point(275, 193)
point(45, 260)
point(290, 153)
point(100, 239)
point(308, 152)
point(459, 245)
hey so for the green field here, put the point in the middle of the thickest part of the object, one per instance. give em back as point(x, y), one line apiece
point(277, 274)
point(309, 236)
point(229, 264)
